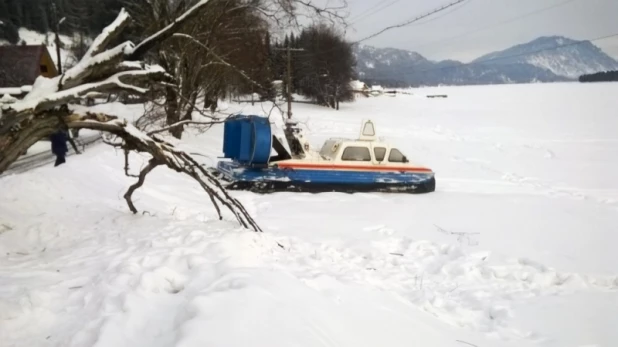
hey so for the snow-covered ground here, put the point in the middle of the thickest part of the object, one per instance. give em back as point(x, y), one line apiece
point(517, 247)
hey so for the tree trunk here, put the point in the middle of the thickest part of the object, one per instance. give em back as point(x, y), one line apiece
point(14, 143)
point(172, 111)
point(190, 107)
point(211, 101)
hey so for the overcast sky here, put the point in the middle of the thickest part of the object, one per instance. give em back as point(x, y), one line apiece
point(476, 27)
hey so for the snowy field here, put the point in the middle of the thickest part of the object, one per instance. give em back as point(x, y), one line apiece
point(517, 246)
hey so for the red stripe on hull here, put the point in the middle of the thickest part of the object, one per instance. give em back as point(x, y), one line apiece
point(356, 167)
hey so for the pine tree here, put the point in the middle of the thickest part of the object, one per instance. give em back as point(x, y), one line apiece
point(15, 12)
point(8, 31)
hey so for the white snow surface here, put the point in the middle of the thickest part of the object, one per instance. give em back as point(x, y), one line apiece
point(517, 247)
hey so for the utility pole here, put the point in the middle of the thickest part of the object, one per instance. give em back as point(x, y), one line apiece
point(289, 82)
point(57, 33)
point(289, 75)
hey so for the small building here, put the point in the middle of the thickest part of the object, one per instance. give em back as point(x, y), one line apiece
point(359, 88)
point(279, 87)
point(20, 65)
point(377, 90)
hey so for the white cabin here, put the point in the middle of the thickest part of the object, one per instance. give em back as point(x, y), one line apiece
point(367, 149)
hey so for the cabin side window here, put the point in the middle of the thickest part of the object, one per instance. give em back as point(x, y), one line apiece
point(396, 156)
point(380, 153)
point(356, 154)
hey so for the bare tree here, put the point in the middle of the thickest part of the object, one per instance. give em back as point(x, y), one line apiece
point(126, 68)
point(232, 30)
point(102, 69)
point(218, 32)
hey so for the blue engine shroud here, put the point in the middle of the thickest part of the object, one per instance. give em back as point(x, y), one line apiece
point(248, 142)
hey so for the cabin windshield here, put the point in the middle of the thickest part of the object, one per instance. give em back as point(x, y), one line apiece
point(356, 153)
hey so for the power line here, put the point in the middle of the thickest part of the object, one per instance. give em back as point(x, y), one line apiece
point(514, 19)
point(380, 3)
point(446, 13)
point(376, 11)
point(416, 19)
point(408, 22)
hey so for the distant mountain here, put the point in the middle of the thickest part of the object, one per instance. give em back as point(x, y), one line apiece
point(571, 59)
point(535, 61)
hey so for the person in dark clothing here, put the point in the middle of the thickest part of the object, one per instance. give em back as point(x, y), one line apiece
point(59, 145)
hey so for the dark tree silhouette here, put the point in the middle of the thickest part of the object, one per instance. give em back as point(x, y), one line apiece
point(605, 76)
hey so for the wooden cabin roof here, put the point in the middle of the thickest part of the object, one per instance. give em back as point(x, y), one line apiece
point(20, 65)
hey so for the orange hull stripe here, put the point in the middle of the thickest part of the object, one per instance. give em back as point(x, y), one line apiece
point(355, 167)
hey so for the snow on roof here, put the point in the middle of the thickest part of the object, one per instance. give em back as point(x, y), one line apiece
point(10, 91)
point(358, 85)
point(32, 37)
point(16, 90)
point(7, 99)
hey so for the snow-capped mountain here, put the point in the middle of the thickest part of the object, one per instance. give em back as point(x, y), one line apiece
point(571, 59)
point(535, 61)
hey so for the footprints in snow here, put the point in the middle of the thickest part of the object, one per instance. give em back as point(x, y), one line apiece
point(459, 288)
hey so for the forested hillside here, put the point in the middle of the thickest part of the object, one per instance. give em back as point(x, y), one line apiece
point(87, 16)
point(603, 76)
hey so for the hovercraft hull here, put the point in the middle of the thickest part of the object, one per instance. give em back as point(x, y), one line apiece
point(326, 179)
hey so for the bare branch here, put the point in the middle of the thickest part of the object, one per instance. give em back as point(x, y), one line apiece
point(92, 68)
point(164, 153)
point(188, 101)
point(147, 44)
point(126, 163)
point(181, 123)
point(121, 81)
point(109, 33)
point(221, 60)
point(142, 176)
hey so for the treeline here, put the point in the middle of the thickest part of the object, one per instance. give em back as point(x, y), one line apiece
point(605, 76)
point(322, 65)
point(85, 16)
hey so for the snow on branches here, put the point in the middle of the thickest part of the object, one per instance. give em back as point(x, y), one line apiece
point(102, 69)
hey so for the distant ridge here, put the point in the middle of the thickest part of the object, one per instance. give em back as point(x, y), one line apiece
point(545, 59)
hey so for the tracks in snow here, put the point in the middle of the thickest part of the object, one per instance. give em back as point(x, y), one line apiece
point(153, 283)
point(460, 288)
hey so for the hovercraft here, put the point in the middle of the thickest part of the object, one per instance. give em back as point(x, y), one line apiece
point(365, 164)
